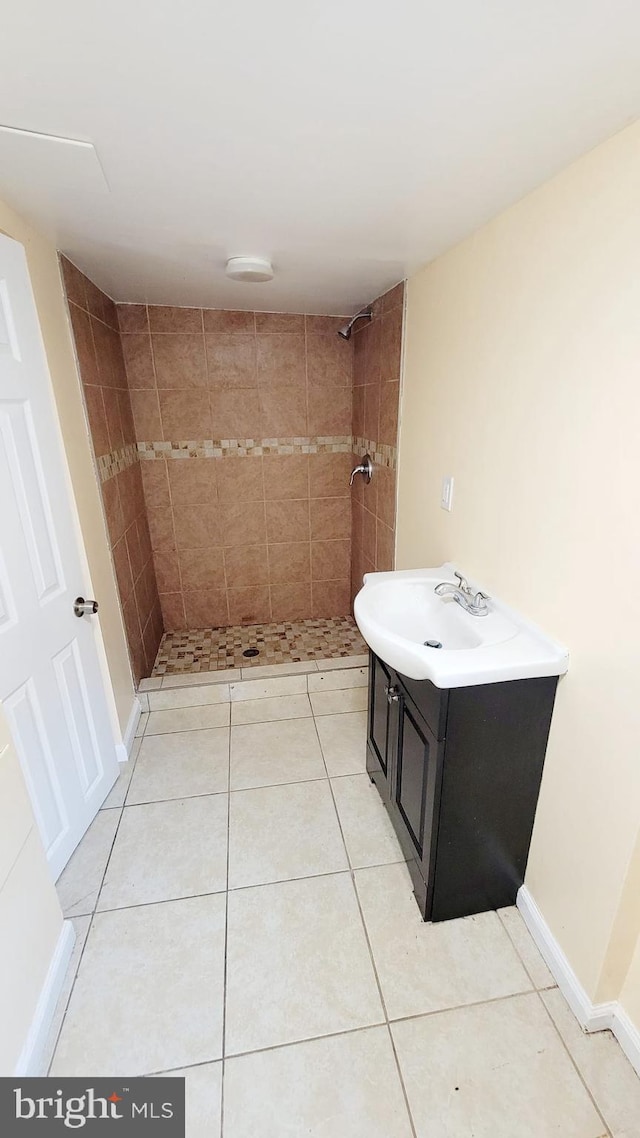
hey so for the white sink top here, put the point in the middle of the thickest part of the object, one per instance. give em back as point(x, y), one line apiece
point(397, 612)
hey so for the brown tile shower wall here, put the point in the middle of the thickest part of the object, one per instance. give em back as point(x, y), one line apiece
point(376, 400)
point(247, 417)
point(99, 351)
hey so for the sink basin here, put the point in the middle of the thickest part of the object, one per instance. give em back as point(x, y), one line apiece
point(397, 613)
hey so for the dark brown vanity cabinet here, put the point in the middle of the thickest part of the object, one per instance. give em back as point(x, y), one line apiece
point(459, 771)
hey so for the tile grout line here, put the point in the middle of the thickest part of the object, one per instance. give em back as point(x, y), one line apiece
point(91, 916)
point(368, 942)
point(255, 885)
point(514, 946)
point(574, 1064)
point(170, 496)
point(264, 501)
point(247, 789)
point(159, 901)
point(462, 1007)
point(274, 1047)
point(226, 942)
point(187, 688)
point(308, 876)
point(169, 798)
point(249, 723)
point(554, 1025)
point(133, 757)
point(252, 698)
point(306, 412)
point(186, 730)
point(353, 1031)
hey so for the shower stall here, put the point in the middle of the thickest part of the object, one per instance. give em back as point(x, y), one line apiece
point(224, 444)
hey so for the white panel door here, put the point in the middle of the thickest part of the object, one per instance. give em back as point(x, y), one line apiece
point(51, 685)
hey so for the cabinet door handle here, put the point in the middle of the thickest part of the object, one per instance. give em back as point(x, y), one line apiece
point(393, 695)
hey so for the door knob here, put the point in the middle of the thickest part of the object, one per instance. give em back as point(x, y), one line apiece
point(84, 608)
point(393, 695)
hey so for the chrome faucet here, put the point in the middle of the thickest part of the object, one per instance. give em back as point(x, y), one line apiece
point(461, 593)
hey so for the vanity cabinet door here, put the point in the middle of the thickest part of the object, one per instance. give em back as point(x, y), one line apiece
point(416, 783)
point(379, 728)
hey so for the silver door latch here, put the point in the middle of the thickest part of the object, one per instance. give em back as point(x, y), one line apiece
point(84, 608)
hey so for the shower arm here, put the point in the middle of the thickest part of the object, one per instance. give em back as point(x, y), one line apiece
point(365, 314)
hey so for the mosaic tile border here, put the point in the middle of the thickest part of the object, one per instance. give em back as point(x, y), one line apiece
point(231, 448)
point(116, 461)
point(382, 453)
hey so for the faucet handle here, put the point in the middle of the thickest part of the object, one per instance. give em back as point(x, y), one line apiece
point(365, 468)
point(480, 598)
point(463, 584)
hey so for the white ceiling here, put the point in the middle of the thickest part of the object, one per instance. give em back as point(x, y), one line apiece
point(350, 141)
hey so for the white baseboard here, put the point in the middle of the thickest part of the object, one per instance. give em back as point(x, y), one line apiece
point(628, 1037)
point(29, 1062)
point(123, 749)
point(590, 1016)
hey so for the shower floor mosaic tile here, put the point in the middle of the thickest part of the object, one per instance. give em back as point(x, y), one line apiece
point(286, 642)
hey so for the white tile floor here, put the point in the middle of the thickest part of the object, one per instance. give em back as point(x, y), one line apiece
point(245, 920)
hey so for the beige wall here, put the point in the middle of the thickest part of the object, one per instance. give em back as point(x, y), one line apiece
point(523, 381)
point(47, 287)
point(30, 916)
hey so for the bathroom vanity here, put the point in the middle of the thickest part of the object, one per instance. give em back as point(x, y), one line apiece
point(459, 771)
point(459, 715)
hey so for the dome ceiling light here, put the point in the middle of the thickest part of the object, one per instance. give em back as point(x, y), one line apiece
point(249, 269)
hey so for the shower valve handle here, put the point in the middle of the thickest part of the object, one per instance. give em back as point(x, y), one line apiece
point(365, 468)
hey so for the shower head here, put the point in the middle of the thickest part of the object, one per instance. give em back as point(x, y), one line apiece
point(346, 330)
